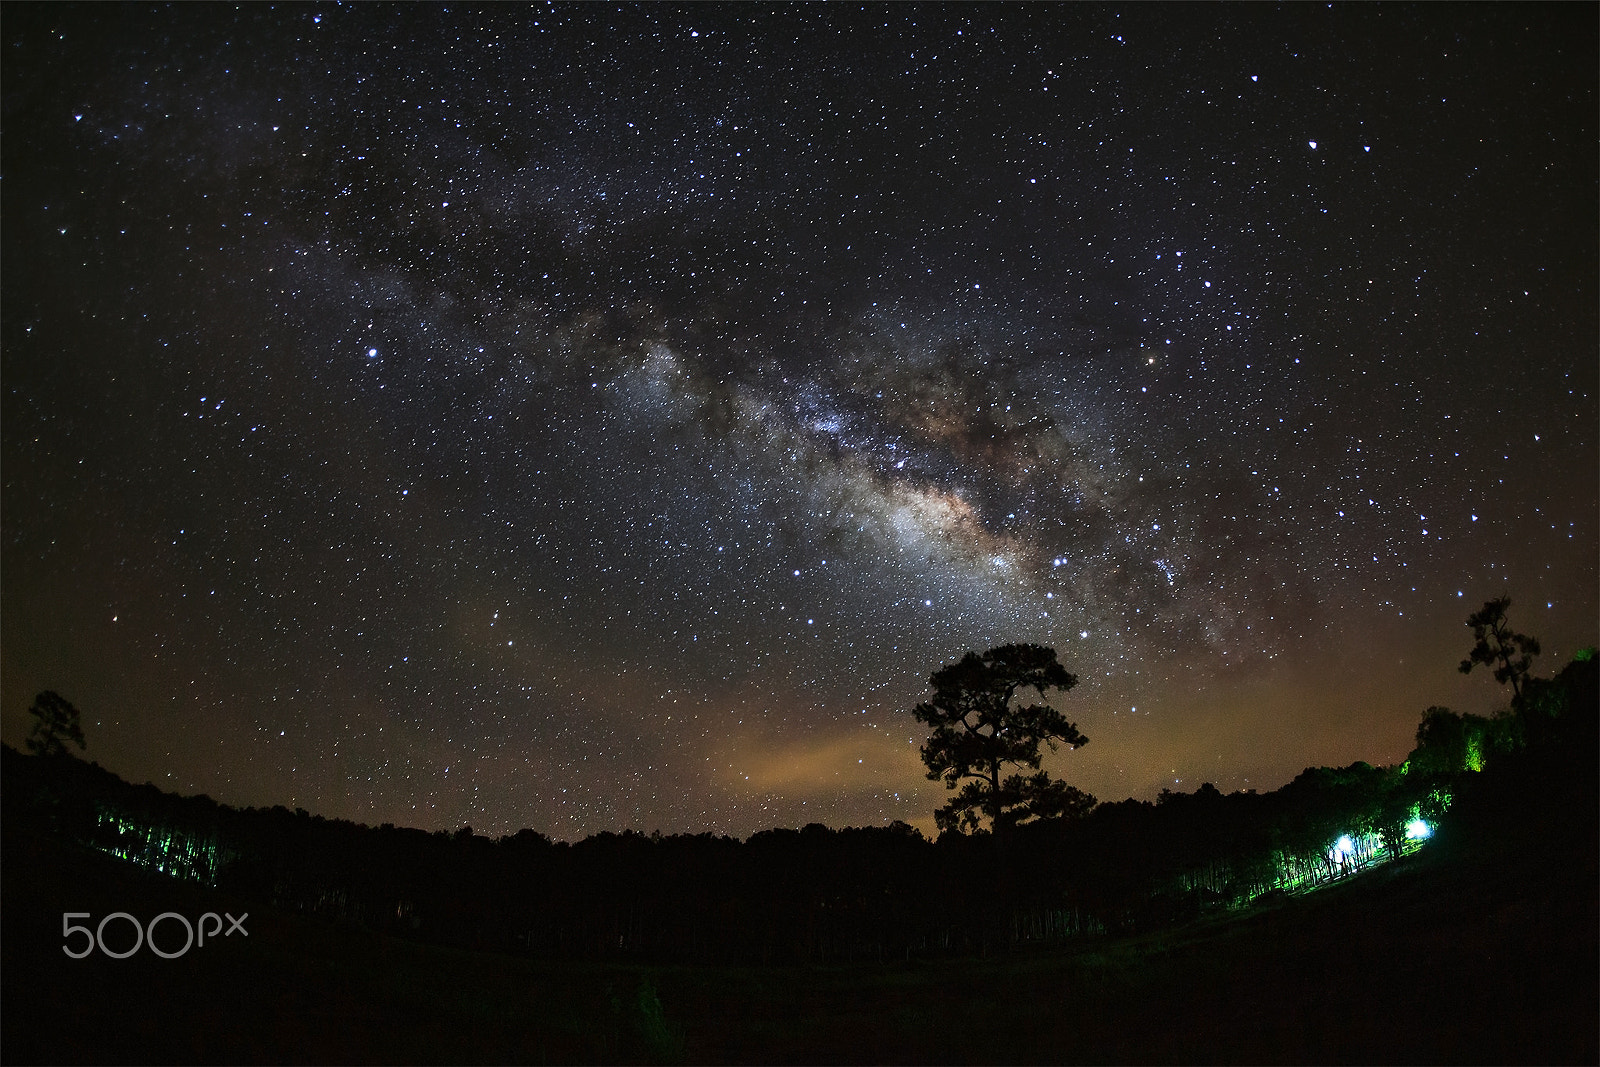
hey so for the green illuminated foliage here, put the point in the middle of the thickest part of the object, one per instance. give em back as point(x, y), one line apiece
point(182, 853)
point(1448, 743)
point(1435, 804)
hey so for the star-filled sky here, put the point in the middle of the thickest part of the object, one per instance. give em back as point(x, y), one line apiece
point(604, 416)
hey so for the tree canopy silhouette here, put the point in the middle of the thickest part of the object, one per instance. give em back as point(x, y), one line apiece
point(54, 719)
point(1509, 653)
point(977, 733)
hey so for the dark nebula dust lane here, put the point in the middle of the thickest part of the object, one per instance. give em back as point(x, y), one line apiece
point(590, 417)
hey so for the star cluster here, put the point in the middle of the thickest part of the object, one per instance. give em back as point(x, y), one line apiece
point(588, 417)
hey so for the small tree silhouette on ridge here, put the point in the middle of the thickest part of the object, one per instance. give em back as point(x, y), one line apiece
point(1510, 654)
point(54, 719)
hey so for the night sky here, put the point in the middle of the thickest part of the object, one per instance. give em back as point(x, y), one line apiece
point(590, 417)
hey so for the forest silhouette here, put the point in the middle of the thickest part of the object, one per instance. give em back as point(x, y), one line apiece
point(1516, 790)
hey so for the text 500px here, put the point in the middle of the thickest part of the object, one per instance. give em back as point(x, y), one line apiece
point(194, 934)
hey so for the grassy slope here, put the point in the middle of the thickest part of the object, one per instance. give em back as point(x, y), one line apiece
point(1438, 958)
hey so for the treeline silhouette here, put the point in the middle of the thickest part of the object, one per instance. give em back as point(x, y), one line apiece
point(822, 895)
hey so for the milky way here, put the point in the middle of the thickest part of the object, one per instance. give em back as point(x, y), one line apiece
point(592, 417)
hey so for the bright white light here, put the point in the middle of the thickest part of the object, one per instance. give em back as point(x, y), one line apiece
point(1417, 830)
point(1343, 847)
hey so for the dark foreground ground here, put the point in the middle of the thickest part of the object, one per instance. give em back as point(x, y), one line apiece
point(1442, 957)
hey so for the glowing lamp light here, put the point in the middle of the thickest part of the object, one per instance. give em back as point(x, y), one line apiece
point(1417, 830)
point(1343, 847)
